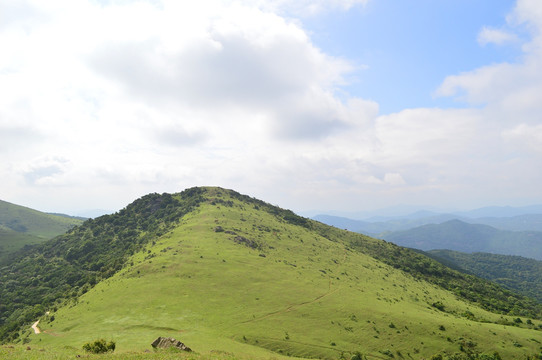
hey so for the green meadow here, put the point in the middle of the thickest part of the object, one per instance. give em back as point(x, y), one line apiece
point(20, 226)
point(234, 281)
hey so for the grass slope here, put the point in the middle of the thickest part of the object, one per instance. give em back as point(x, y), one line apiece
point(20, 226)
point(11, 241)
point(240, 282)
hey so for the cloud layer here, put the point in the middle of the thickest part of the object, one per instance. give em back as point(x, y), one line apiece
point(103, 101)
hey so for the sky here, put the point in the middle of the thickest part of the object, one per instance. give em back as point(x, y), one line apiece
point(331, 105)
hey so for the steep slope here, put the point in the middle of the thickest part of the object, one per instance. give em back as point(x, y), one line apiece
point(230, 274)
point(460, 236)
point(20, 226)
point(516, 273)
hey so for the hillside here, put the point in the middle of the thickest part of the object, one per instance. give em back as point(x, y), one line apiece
point(20, 226)
point(460, 236)
point(516, 273)
point(228, 274)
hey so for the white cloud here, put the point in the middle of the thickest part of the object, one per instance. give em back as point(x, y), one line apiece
point(164, 95)
point(527, 137)
point(495, 36)
point(394, 179)
point(305, 7)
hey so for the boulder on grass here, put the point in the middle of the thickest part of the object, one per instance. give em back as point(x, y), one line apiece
point(165, 343)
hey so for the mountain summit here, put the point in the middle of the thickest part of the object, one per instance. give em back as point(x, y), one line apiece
point(230, 274)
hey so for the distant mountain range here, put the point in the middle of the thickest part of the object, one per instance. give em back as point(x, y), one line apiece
point(461, 236)
point(497, 230)
point(417, 212)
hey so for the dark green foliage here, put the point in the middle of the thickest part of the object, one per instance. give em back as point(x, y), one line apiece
point(357, 356)
point(68, 265)
point(439, 305)
point(100, 346)
point(516, 273)
point(469, 356)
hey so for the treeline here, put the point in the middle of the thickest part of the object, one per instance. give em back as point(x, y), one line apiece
point(43, 276)
point(516, 273)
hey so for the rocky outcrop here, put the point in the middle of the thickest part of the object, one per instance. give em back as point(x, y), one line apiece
point(165, 343)
point(247, 242)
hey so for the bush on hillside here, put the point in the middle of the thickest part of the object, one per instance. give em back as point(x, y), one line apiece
point(99, 346)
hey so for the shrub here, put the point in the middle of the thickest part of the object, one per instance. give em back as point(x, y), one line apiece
point(357, 356)
point(99, 346)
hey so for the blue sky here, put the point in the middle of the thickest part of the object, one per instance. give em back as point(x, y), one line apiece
point(409, 47)
point(345, 105)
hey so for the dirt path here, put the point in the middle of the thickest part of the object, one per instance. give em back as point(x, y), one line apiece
point(295, 306)
point(35, 325)
point(36, 328)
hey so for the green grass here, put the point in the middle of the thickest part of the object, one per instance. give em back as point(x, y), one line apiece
point(33, 222)
point(298, 294)
point(11, 241)
point(20, 226)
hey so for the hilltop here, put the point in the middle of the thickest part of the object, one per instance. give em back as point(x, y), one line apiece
point(20, 226)
point(229, 274)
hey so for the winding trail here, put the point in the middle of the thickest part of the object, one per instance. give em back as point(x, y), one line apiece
point(35, 325)
point(295, 306)
point(36, 328)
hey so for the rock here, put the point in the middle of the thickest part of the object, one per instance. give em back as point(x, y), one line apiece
point(247, 242)
point(164, 343)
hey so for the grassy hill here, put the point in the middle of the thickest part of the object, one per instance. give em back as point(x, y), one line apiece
point(234, 277)
point(517, 273)
point(460, 236)
point(20, 226)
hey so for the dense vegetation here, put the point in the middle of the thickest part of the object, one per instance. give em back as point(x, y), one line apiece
point(68, 265)
point(516, 273)
point(259, 250)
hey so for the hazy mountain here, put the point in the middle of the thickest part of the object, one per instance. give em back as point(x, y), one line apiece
point(380, 227)
point(501, 211)
point(461, 236)
point(235, 277)
point(529, 222)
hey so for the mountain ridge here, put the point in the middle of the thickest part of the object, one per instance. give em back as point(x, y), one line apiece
point(236, 274)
